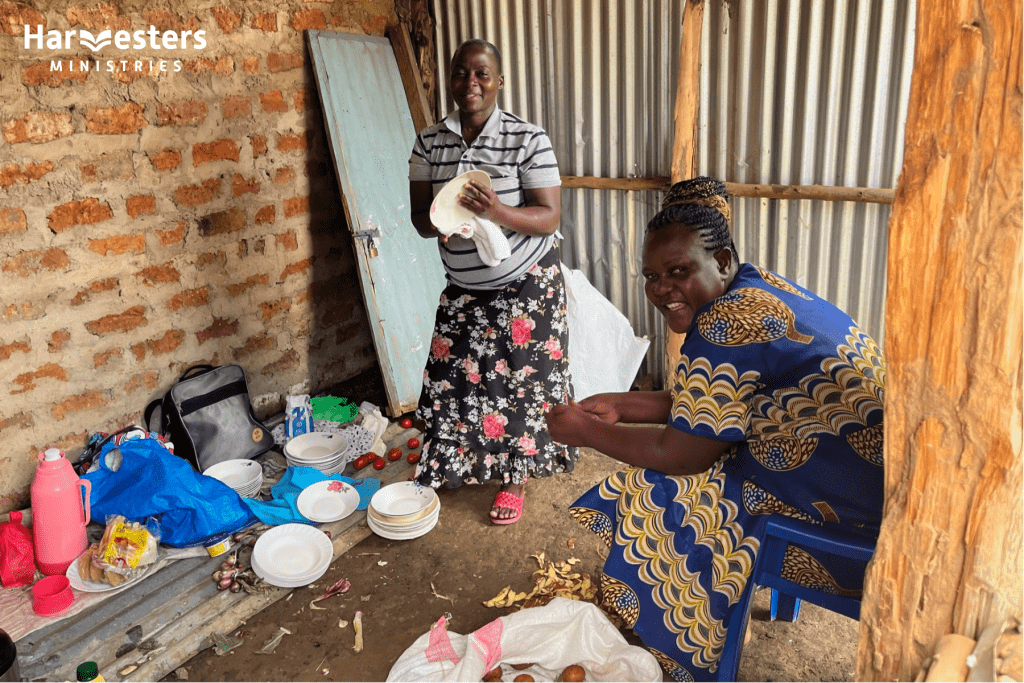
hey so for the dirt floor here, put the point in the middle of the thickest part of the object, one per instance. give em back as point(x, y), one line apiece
point(403, 587)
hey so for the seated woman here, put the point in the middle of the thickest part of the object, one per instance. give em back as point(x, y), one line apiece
point(776, 407)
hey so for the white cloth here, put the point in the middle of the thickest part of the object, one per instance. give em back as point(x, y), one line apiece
point(491, 243)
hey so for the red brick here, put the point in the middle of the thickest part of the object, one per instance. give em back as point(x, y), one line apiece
point(186, 113)
point(303, 100)
point(139, 204)
point(27, 380)
point(175, 235)
point(241, 185)
point(288, 361)
point(12, 220)
point(165, 20)
point(298, 268)
point(104, 357)
point(190, 298)
point(265, 215)
point(212, 258)
point(143, 380)
point(99, 17)
point(283, 61)
point(166, 160)
point(87, 401)
point(37, 127)
point(224, 66)
point(265, 22)
point(271, 308)
point(375, 25)
point(112, 166)
point(86, 212)
point(19, 420)
point(194, 195)
point(250, 282)
point(57, 341)
point(222, 222)
point(146, 69)
point(288, 241)
point(15, 16)
point(290, 142)
point(7, 349)
point(293, 206)
point(11, 173)
point(285, 175)
point(118, 322)
point(226, 19)
point(254, 345)
point(259, 145)
point(28, 263)
point(42, 74)
point(236, 107)
point(219, 328)
point(95, 287)
point(273, 101)
point(203, 152)
point(161, 274)
point(251, 65)
point(310, 18)
point(115, 120)
point(121, 244)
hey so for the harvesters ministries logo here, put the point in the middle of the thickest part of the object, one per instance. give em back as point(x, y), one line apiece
point(37, 38)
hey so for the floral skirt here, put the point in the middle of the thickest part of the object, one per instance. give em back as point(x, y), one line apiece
point(498, 361)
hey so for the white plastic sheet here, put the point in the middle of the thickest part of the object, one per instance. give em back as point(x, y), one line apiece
point(551, 637)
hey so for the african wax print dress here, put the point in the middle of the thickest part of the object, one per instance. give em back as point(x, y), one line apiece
point(798, 387)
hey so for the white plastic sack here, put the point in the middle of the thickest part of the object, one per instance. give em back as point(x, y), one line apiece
point(604, 354)
point(551, 637)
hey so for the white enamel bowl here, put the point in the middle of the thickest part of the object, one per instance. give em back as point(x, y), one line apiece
point(244, 476)
point(292, 555)
point(445, 210)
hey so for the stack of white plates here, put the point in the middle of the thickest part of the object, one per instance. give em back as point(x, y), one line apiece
point(325, 452)
point(292, 555)
point(244, 476)
point(403, 511)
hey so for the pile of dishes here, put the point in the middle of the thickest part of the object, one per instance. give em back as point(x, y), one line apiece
point(403, 511)
point(325, 452)
point(244, 476)
point(292, 555)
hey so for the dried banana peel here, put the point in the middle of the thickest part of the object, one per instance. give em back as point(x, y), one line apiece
point(551, 580)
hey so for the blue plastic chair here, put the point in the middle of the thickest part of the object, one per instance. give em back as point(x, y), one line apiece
point(786, 595)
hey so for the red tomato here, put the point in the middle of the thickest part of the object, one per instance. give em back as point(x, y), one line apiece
point(413, 458)
point(413, 443)
point(361, 462)
point(406, 423)
point(380, 463)
point(394, 454)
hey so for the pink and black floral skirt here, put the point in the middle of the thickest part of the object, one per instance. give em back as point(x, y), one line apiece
point(498, 360)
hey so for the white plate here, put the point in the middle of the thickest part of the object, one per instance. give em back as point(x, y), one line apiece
point(284, 583)
point(403, 498)
point(78, 583)
point(293, 552)
point(328, 501)
point(315, 447)
point(397, 535)
point(405, 520)
point(236, 473)
point(429, 520)
point(445, 210)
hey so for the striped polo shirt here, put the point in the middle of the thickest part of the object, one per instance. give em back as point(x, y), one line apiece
point(517, 156)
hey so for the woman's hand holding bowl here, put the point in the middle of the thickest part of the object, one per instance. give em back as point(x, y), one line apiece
point(481, 200)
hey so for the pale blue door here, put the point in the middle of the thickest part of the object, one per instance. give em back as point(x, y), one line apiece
point(371, 134)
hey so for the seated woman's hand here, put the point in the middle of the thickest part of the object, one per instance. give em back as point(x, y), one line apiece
point(602, 407)
point(568, 424)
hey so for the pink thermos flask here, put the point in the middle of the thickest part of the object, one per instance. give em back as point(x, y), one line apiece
point(58, 517)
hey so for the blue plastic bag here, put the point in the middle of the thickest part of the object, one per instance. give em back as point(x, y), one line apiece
point(192, 509)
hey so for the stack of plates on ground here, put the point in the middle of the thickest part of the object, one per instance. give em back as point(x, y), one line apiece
point(403, 511)
point(325, 452)
point(292, 555)
point(244, 476)
point(327, 501)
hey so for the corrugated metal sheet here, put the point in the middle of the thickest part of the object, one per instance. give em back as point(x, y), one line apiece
point(792, 92)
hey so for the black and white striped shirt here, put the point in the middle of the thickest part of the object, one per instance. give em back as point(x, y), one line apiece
point(517, 155)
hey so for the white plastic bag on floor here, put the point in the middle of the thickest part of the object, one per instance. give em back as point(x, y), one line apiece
point(551, 637)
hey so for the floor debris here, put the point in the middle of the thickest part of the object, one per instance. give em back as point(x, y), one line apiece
point(552, 580)
point(274, 641)
point(357, 624)
point(438, 595)
point(181, 673)
point(223, 644)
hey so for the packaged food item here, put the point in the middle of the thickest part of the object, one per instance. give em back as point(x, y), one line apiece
point(299, 415)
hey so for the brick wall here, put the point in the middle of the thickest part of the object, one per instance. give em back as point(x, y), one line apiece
point(165, 207)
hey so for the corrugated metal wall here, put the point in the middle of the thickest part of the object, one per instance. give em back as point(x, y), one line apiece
point(794, 92)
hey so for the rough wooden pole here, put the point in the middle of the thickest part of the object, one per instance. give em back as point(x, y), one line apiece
point(684, 143)
point(949, 555)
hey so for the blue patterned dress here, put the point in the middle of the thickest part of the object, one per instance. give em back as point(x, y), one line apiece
point(798, 387)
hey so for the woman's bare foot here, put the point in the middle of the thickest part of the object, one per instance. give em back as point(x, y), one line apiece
point(501, 512)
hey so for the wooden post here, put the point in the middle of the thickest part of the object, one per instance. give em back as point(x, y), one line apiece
point(949, 555)
point(684, 143)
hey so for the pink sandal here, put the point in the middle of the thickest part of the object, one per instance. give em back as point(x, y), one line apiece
point(511, 501)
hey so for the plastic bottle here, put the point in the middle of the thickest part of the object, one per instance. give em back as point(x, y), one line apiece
point(58, 516)
point(89, 671)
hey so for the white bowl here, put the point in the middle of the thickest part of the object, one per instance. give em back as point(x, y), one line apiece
point(238, 474)
point(403, 498)
point(293, 552)
point(445, 211)
point(316, 447)
point(327, 501)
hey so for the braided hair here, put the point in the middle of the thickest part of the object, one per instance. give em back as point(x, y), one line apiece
point(698, 205)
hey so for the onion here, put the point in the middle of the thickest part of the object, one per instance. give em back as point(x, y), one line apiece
point(225, 583)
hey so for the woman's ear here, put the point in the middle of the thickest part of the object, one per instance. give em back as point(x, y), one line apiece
point(724, 258)
point(501, 82)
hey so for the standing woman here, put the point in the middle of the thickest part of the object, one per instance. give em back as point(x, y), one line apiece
point(498, 358)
